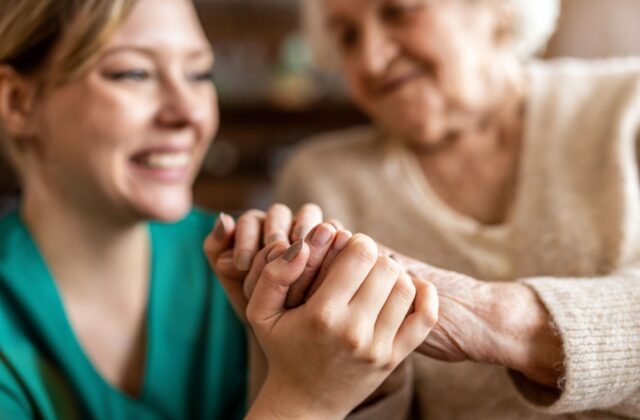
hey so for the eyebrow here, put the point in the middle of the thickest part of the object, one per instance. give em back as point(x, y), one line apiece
point(194, 53)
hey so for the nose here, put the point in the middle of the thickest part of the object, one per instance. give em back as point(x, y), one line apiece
point(377, 50)
point(180, 107)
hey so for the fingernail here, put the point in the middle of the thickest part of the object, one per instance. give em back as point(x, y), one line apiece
point(293, 251)
point(274, 254)
point(311, 233)
point(300, 232)
point(274, 237)
point(219, 230)
point(243, 260)
point(320, 237)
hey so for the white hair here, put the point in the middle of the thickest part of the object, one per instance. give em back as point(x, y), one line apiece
point(534, 23)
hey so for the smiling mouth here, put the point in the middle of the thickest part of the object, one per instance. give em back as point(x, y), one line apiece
point(392, 85)
point(163, 160)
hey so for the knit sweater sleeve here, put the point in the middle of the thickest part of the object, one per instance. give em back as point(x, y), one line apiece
point(598, 320)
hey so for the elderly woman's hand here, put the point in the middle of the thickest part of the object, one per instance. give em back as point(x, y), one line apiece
point(498, 323)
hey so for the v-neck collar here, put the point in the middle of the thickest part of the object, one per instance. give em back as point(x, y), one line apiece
point(37, 285)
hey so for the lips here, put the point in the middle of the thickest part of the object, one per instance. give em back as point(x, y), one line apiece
point(393, 84)
point(168, 165)
point(164, 159)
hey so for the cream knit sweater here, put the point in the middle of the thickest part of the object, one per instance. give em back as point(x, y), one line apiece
point(574, 237)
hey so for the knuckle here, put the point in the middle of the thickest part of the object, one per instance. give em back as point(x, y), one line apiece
point(378, 355)
point(311, 207)
point(323, 318)
point(365, 249)
point(270, 275)
point(279, 208)
point(253, 214)
point(406, 290)
point(390, 267)
point(355, 341)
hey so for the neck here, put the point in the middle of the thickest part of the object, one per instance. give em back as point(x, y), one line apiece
point(84, 249)
point(474, 170)
point(498, 126)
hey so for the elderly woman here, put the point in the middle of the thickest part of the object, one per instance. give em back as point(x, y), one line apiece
point(518, 182)
point(109, 307)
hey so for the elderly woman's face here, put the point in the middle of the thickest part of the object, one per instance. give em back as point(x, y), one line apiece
point(130, 134)
point(420, 68)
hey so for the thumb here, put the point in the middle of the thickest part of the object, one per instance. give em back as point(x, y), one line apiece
point(267, 301)
point(220, 239)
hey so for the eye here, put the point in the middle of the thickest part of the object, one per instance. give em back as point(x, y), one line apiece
point(205, 76)
point(347, 38)
point(399, 12)
point(129, 75)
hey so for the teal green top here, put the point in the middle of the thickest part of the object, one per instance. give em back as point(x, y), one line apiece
point(196, 362)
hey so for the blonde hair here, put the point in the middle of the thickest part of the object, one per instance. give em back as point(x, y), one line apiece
point(53, 41)
point(533, 24)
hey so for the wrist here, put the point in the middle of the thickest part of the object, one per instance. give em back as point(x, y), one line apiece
point(525, 334)
point(278, 402)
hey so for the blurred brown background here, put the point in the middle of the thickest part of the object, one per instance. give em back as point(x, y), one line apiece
point(270, 97)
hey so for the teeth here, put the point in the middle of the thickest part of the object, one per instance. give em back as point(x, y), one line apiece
point(166, 160)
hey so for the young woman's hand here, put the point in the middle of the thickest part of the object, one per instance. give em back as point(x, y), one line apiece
point(329, 354)
point(232, 246)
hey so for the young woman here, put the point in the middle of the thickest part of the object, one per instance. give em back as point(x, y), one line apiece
point(109, 307)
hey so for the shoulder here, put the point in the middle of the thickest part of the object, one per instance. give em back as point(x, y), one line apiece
point(591, 104)
point(598, 88)
point(611, 68)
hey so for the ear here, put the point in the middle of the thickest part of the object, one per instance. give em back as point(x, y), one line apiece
point(17, 98)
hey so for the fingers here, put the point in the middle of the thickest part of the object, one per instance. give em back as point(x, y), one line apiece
point(348, 272)
point(319, 240)
point(277, 225)
point(307, 217)
point(416, 327)
point(375, 291)
point(220, 238)
point(395, 309)
point(339, 243)
point(336, 224)
point(267, 301)
point(248, 238)
point(264, 257)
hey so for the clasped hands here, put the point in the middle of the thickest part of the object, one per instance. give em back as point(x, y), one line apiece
point(308, 289)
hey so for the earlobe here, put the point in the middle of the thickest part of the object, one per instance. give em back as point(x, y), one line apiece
point(17, 95)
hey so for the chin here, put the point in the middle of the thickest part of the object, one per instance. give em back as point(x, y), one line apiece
point(166, 208)
point(425, 133)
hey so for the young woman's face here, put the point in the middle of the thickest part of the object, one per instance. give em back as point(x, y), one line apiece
point(420, 68)
point(129, 136)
